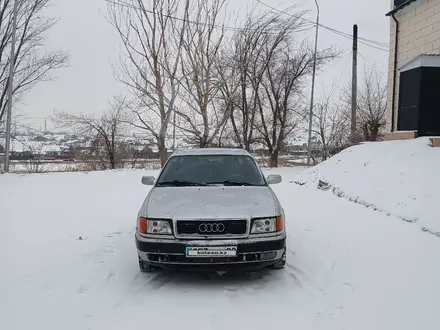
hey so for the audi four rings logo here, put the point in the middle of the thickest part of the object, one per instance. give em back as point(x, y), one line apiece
point(212, 228)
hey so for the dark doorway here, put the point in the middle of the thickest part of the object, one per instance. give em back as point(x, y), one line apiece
point(419, 96)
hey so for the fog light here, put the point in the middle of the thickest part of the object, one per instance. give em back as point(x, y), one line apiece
point(268, 255)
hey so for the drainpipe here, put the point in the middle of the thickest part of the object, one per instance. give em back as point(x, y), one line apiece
point(396, 45)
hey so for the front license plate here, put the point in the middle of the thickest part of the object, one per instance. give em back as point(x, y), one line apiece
point(214, 251)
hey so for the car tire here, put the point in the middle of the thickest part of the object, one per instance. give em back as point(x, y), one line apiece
point(144, 267)
point(280, 263)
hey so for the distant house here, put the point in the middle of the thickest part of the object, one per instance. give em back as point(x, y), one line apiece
point(21, 155)
point(40, 138)
point(50, 151)
point(2, 149)
point(81, 152)
point(294, 148)
point(414, 68)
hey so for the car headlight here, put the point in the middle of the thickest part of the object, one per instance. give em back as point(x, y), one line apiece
point(153, 226)
point(267, 225)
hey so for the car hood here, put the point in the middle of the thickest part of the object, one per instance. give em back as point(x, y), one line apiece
point(210, 202)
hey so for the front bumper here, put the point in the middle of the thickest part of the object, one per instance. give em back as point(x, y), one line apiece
point(252, 253)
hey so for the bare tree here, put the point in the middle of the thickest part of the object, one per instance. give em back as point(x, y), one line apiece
point(281, 102)
point(202, 115)
point(105, 131)
point(330, 126)
point(263, 77)
point(32, 64)
point(37, 163)
point(152, 41)
point(371, 104)
point(228, 88)
point(246, 59)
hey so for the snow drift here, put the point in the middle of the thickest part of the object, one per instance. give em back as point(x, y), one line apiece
point(400, 178)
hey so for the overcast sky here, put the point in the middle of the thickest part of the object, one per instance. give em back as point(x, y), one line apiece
point(88, 84)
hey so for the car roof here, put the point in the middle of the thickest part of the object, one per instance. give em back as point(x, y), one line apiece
point(210, 151)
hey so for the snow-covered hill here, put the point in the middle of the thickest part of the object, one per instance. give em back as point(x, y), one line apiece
point(400, 178)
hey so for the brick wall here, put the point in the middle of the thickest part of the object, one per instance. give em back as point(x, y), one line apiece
point(419, 33)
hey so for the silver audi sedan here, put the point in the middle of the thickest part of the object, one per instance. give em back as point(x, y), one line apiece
point(211, 209)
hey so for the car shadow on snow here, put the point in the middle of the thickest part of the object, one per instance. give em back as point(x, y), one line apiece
point(230, 282)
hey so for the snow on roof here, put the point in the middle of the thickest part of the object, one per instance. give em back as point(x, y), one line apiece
point(423, 60)
point(33, 146)
point(72, 142)
point(210, 151)
point(19, 146)
point(50, 148)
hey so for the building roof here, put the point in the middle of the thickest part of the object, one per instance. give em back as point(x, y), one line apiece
point(400, 5)
point(210, 151)
point(423, 60)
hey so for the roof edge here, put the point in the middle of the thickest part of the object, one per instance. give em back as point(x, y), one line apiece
point(422, 61)
point(210, 151)
point(395, 10)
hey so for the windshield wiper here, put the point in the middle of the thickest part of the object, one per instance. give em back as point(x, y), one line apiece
point(180, 183)
point(232, 183)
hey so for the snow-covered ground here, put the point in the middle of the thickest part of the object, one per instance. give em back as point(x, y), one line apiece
point(45, 166)
point(400, 178)
point(349, 267)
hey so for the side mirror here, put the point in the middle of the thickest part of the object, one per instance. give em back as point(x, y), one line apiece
point(148, 180)
point(274, 179)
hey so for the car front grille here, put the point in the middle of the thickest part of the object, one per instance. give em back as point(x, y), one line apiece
point(211, 227)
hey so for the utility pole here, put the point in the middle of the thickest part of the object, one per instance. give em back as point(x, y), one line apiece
point(11, 86)
point(174, 130)
point(309, 149)
point(354, 84)
point(45, 125)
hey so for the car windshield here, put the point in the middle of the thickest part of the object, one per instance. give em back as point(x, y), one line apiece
point(196, 170)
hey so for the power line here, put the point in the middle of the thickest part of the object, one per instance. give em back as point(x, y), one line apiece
point(131, 6)
point(366, 60)
point(379, 43)
point(360, 40)
point(338, 61)
point(368, 42)
point(342, 74)
point(223, 27)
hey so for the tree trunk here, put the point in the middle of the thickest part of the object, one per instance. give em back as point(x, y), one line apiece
point(163, 153)
point(203, 143)
point(366, 132)
point(374, 132)
point(220, 137)
point(273, 159)
point(324, 154)
point(112, 161)
point(247, 145)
